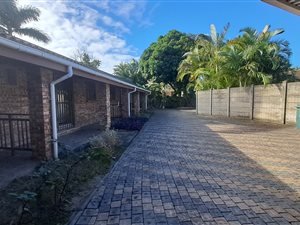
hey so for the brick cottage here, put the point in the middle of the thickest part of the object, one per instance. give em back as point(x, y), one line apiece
point(37, 85)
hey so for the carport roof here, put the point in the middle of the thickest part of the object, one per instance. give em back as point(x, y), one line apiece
point(292, 6)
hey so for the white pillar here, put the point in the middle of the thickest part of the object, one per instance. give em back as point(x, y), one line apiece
point(146, 101)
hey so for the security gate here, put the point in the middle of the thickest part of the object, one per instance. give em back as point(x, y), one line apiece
point(15, 132)
point(64, 105)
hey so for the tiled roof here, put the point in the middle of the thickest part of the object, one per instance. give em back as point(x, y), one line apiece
point(29, 44)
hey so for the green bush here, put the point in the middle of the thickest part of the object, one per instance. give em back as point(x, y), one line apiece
point(177, 101)
point(45, 197)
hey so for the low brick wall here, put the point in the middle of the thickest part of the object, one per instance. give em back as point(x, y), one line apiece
point(274, 102)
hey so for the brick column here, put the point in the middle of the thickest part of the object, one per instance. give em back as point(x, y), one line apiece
point(144, 103)
point(137, 103)
point(124, 102)
point(39, 80)
point(107, 101)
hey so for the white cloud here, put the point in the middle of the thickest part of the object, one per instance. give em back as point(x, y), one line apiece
point(115, 24)
point(73, 25)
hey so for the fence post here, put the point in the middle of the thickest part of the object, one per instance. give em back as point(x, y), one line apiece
point(252, 102)
point(284, 100)
point(228, 102)
point(211, 97)
point(197, 103)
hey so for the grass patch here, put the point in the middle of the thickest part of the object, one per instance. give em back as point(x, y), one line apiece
point(45, 197)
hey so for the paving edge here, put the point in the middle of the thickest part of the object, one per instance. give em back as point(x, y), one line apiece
point(75, 215)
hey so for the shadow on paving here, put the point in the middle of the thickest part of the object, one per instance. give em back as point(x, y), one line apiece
point(179, 171)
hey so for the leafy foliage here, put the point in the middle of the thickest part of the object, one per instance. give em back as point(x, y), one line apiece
point(45, 197)
point(158, 94)
point(161, 59)
point(12, 19)
point(83, 57)
point(203, 64)
point(256, 58)
point(107, 141)
point(132, 123)
point(252, 58)
point(131, 71)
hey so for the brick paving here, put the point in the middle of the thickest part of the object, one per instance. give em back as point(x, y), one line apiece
point(184, 169)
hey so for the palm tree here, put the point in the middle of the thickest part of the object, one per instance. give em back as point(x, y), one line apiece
point(12, 19)
point(252, 58)
point(131, 71)
point(255, 58)
point(203, 64)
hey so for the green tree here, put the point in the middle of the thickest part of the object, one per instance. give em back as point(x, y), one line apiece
point(254, 58)
point(131, 71)
point(12, 19)
point(83, 57)
point(157, 99)
point(203, 64)
point(161, 59)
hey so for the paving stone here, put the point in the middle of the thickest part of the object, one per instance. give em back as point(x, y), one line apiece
point(125, 222)
point(113, 220)
point(184, 169)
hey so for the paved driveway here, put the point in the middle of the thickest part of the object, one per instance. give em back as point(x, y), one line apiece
point(183, 169)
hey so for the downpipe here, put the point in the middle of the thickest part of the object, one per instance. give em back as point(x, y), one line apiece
point(54, 110)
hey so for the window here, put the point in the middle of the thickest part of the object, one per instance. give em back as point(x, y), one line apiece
point(90, 91)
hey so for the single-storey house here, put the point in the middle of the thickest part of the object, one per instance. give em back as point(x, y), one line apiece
point(44, 95)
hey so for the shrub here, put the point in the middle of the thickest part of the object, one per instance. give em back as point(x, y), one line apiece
point(108, 139)
point(176, 101)
point(111, 138)
point(133, 123)
point(105, 142)
point(97, 142)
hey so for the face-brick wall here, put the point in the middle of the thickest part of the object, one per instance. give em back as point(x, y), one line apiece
point(89, 110)
point(124, 100)
point(13, 90)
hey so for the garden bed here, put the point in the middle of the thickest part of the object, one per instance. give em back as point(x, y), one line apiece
point(131, 123)
point(49, 195)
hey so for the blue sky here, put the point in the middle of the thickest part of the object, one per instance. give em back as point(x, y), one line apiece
point(118, 30)
point(196, 17)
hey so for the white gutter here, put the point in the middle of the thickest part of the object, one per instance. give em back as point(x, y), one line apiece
point(129, 101)
point(62, 60)
point(53, 109)
point(71, 65)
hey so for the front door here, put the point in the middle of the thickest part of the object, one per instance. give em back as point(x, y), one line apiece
point(64, 105)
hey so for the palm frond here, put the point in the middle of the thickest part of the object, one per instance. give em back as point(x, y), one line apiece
point(8, 12)
point(266, 28)
point(34, 33)
point(213, 34)
point(28, 14)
